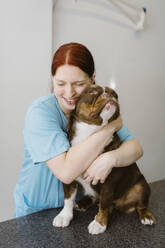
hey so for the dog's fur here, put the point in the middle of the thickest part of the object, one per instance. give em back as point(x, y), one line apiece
point(125, 188)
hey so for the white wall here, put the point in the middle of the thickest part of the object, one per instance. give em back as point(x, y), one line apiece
point(25, 55)
point(135, 60)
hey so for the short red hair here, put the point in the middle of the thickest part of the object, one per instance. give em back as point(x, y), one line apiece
point(73, 54)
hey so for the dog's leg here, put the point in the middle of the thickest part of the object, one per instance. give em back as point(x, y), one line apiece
point(137, 198)
point(66, 215)
point(99, 224)
point(145, 216)
point(141, 192)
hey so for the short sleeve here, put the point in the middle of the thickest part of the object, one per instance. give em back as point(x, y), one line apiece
point(124, 134)
point(44, 137)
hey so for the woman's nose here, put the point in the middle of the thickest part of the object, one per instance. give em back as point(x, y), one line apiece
point(70, 91)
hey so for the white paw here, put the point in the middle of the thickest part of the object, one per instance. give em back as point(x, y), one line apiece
point(62, 220)
point(95, 228)
point(147, 221)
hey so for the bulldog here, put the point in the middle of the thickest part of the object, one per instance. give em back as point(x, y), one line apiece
point(125, 189)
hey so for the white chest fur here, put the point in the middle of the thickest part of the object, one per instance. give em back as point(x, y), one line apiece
point(82, 131)
point(87, 188)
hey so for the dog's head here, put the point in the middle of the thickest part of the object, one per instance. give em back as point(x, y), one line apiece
point(97, 105)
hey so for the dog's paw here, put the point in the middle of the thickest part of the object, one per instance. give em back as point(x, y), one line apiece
point(147, 221)
point(95, 228)
point(62, 220)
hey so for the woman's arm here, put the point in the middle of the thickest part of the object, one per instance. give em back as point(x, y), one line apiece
point(129, 152)
point(69, 165)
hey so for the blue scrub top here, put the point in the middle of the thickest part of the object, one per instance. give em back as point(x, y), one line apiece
point(45, 137)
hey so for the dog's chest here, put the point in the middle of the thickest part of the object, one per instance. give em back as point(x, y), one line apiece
point(82, 131)
point(88, 190)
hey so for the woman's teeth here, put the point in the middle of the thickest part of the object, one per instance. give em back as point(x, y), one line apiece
point(71, 102)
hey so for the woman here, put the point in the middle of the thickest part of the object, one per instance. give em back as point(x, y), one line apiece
point(48, 158)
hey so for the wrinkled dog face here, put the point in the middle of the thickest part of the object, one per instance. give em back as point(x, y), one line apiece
point(97, 104)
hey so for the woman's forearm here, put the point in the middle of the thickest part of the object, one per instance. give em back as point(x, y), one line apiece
point(79, 157)
point(129, 152)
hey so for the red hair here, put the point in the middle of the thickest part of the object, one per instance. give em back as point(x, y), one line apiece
point(73, 54)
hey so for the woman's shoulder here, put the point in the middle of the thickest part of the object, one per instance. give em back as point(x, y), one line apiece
point(43, 100)
point(45, 103)
point(45, 108)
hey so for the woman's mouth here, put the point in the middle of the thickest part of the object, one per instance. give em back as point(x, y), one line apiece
point(71, 102)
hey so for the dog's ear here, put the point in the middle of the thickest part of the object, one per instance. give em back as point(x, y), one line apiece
point(111, 92)
point(88, 96)
point(115, 94)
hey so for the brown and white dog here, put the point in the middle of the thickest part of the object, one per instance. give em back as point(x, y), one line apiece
point(125, 188)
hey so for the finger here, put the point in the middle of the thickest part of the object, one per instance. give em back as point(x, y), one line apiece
point(102, 181)
point(85, 175)
point(95, 181)
point(88, 179)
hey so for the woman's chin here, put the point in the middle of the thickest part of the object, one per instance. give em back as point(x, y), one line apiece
point(65, 106)
point(68, 108)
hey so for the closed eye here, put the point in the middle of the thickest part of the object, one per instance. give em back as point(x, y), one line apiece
point(93, 92)
point(80, 84)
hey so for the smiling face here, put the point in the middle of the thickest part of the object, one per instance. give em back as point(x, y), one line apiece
point(97, 105)
point(69, 83)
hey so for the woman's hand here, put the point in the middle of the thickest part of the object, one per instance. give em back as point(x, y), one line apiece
point(116, 124)
point(100, 168)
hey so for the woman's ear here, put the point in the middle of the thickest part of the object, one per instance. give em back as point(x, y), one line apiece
point(93, 78)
